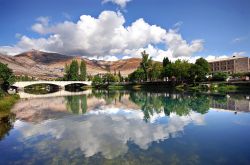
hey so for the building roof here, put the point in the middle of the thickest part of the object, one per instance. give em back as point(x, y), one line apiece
point(226, 59)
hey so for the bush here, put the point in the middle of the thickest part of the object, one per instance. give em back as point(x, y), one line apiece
point(97, 80)
point(220, 76)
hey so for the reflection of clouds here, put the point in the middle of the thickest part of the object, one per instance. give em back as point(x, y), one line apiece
point(241, 123)
point(40, 109)
point(106, 132)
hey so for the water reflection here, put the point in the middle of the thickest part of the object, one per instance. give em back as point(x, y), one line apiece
point(107, 132)
point(40, 89)
point(237, 103)
point(118, 125)
point(36, 110)
point(180, 104)
point(76, 104)
point(6, 124)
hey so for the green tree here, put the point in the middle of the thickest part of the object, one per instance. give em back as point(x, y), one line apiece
point(194, 72)
point(146, 64)
point(74, 70)
point(137, 75)
point(117, 79)
point(181, 70)
point(7, 77)
point(108, 78)
point(66, 73)
point(219, 76)
point(155, 72)
point(166, 61)
point(204, 69)
point(90, 77)
point(83, 71)
point(97, 80)
point(168, 71)
point(120, 77)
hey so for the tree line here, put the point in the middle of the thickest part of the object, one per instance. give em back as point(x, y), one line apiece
point(107, 78)
point(180, 70)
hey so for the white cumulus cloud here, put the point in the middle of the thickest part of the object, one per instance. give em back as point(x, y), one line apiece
point(41, 23)
point(121, 3)
point(105, 37)
point(214, 57)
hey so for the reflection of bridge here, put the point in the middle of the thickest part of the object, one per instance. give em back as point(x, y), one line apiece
point(55, 94)
point(61, 84)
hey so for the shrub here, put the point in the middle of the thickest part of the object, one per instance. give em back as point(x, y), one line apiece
point(97, 80)
point(220, 76)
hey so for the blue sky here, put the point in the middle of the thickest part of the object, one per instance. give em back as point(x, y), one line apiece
point(222, 25)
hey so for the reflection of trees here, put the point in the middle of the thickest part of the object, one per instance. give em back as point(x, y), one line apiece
point(73, 104)
point(6, 124)
point(219, 99)
point(84, 104)
point(76, 104)
point(148, 102)
point(108, 96)
point(200, 103)
point(181, 105)
point(152, 103)
point(155, 103)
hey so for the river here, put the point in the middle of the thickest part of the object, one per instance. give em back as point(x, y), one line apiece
point(127, 127)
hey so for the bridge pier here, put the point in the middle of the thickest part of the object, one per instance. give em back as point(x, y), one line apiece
point(20, 89)
point(62, 87)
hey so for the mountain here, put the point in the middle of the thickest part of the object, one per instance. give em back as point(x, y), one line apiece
point(44, 65)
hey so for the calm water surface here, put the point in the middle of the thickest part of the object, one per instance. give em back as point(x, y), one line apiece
point(127, 127)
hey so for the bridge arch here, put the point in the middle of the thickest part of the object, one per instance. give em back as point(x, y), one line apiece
point(61, 84)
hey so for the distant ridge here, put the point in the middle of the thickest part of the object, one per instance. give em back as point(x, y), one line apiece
point(45, 65)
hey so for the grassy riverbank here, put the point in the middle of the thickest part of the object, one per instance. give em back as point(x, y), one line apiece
point(7, 101)
point(221, 87)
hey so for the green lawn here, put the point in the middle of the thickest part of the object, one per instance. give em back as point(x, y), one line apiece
point(6, 102)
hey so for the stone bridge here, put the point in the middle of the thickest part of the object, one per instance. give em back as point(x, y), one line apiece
point(61, 84)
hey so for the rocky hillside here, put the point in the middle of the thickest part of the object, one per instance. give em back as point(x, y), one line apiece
point(44, 65)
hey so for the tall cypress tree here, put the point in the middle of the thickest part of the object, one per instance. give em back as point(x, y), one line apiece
point(146, 64)
point(166, 61)
point(83, 72)
point(66, 73)
point(74, 70)
point(120, 76)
